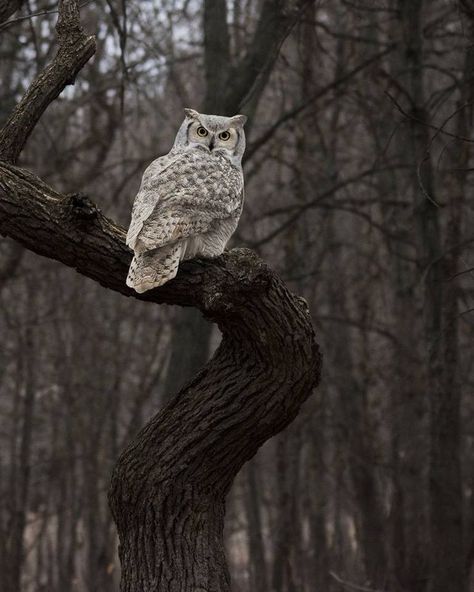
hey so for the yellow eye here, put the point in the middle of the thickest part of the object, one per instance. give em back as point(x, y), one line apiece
point(224, 136)
point(202, 131)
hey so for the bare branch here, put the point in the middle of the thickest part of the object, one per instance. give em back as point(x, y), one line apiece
point(32, 15)
point(289, 115)
point(297, 210)
point(75, 49)
point(9, 7)
point(439, 129)
point(70, 229)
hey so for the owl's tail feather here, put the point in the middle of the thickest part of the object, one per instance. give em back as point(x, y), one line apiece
point(154, 268)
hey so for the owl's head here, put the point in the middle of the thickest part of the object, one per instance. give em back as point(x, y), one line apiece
point(219, 135)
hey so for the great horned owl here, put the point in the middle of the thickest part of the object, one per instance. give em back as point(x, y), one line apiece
point(189, 201)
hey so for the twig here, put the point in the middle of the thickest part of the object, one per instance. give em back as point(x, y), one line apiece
point(318, 202)
point(425, 123)
point(470, 270)
point(45, 12)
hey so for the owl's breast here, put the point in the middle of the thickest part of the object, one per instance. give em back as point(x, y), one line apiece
point(212, 169)
point(203, 175)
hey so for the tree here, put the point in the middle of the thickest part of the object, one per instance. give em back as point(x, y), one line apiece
point(169, 485)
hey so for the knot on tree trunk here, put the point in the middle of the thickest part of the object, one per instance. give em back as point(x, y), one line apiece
point(80, 207)
point(244, 276)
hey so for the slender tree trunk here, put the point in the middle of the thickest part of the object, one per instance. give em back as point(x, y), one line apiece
point(360, 439)
point(286, 576)
point(11, 264)
point(448, 536)
point(189, 350)
point(28, 397)
point(257, 559)
point(445, 491)
point(318, 556)
point(216, 55)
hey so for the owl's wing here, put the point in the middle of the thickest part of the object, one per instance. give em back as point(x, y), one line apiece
point(147, 196)
point(193, 193)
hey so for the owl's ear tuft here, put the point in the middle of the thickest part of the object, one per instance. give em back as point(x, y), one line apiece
point(238, 120)
point(191, 114)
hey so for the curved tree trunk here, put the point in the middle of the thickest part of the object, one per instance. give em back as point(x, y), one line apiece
point(169, 486)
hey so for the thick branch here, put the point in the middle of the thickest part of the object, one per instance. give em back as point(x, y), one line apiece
point(70, 229)
point(75, 49)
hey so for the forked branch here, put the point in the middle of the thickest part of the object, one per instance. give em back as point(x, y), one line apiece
point(75, 49)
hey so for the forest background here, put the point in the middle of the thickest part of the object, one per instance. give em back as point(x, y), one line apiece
point(358, 193)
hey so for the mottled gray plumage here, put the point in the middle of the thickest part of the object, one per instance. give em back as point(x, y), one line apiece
point(189, 201)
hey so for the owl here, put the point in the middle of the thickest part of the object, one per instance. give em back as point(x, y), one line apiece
point(189, 201)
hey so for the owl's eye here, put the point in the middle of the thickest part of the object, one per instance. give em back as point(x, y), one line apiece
point(202, 131)
point(224, 136)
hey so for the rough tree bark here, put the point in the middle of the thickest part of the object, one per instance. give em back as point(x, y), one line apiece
point(168, 488)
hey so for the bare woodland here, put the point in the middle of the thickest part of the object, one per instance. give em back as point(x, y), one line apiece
point(358, 221)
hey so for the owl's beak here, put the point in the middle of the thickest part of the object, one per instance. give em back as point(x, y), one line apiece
point(211, 145)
